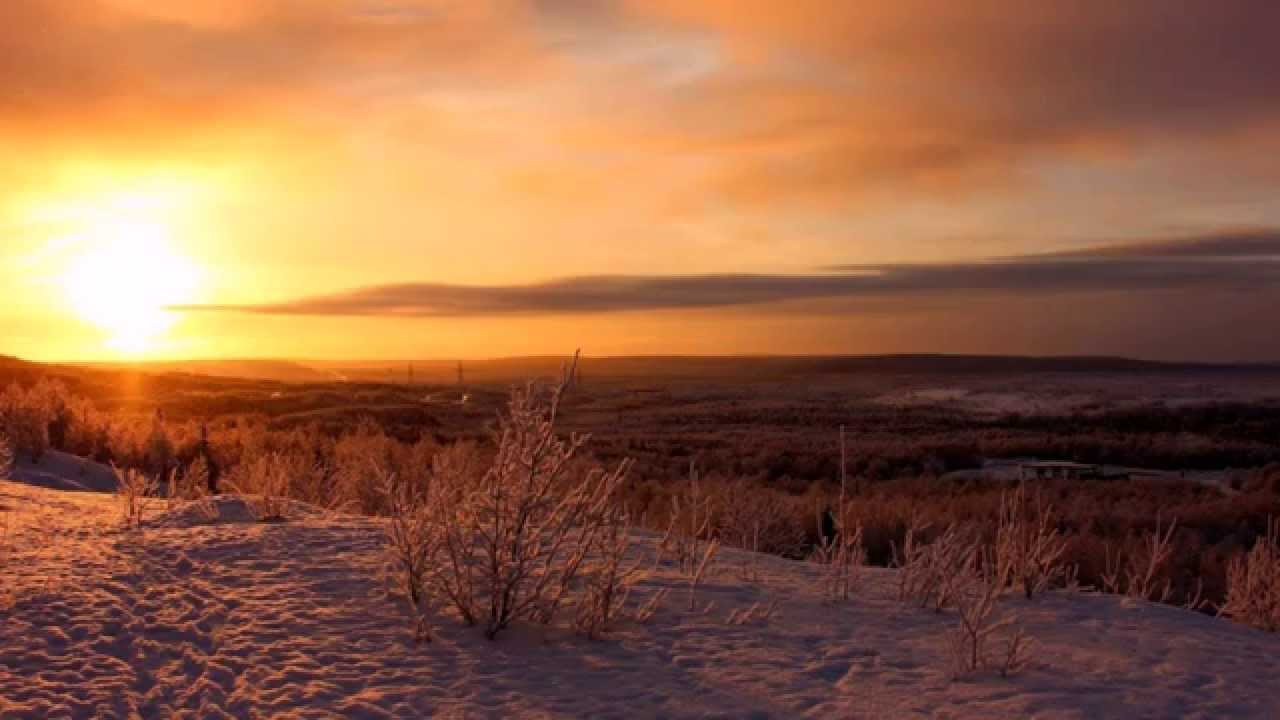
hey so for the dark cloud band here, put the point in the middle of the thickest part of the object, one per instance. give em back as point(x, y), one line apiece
point(1227, 261)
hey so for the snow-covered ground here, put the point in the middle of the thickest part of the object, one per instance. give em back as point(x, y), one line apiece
point(223, 617)
point(63, 471)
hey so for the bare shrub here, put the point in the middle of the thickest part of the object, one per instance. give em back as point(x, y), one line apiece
point(158, 451)
point(264, 484)
point(445, 500)
point(696, 572)
point(748, 514)
point(25, 420)
point(513, 537)
point(1018, 652)
point(842, 555)
point(413, 544)
point(981, 622)
point(1028, 548)
point(977, 622)
point(911, 560)
point(608, 581)
point(133, 490)
point(953, 559)
point(840, 559)
point(6, 457)
point(689, 530)
point(688, 538)
point(931, 574)
point(352, 478)
point(1253, 583)
point(1137, 574)
point(190, 484)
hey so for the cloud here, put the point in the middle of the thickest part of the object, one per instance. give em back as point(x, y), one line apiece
point(951, 97)
point(807, 100)
point(1241, 245)
point(1233, 261)
point(121, 67)
point(1033, 68)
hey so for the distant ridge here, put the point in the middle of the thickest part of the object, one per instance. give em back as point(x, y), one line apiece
point(438, 371)
point(746, 366)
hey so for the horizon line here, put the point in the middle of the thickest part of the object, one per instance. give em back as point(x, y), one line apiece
point(939, 355)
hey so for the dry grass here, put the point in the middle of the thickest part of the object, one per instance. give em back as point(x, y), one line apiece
point(645, 612)
point(754, 614)
point(191, 484)
point(1029, 547)
point(956, 570)
point(689, 530)
point(841, 559)
point(842, 555)
point(931, 574)
point(1253, 584)
point(134, 490)
point(699, 570)
point(977, 618)
point(608, 581)
point(689, 539)
point(1139, 574)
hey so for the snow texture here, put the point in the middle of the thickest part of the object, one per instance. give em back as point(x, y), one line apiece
point(208, 615)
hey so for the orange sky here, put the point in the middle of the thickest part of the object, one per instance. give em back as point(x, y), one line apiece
point(413, 178)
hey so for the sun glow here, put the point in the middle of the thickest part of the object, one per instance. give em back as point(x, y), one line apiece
point(125, 273)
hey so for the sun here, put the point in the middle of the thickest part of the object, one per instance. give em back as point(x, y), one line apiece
point(124, 277)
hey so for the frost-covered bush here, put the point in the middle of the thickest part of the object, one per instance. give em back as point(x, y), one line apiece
point(133, 489)
point(1253, 584)
point(1029, 547)
point(690, 540)
point(508, 538)
point(413, 544)
point(25, 421)
point(265, 484)
point(608, 578)
point(932, 573)
point(1139, 573)
point(841, 559)
point(6, 457)
point(985, 635)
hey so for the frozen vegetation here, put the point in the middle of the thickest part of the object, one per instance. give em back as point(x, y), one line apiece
point(205, 612)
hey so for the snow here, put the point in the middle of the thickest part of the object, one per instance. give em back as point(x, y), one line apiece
point(220, 509)
point(62, 471)
point(211, 615)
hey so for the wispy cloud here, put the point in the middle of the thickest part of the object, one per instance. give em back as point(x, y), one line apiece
point(803, 100)
point(1227, 261)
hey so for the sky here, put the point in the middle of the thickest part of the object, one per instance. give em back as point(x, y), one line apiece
point(361, 179)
